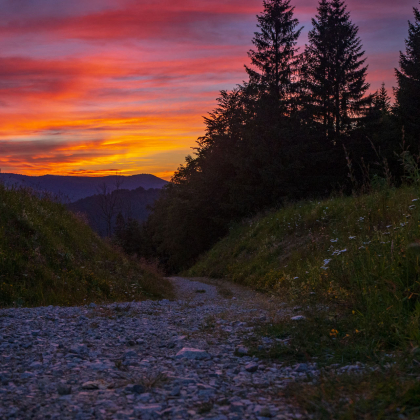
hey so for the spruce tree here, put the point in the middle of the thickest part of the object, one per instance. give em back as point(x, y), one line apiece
point(275, 57)
point(408, 77)
point(334, 73)
point(381, 100)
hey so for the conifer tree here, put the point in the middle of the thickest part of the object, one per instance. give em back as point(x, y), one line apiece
point(275, 57)
point(334, 73)
point(408, 76)
point(381, 100)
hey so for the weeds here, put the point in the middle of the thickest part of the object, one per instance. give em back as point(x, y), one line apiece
point(385, 393)
point(208, 324)
point(152, 380)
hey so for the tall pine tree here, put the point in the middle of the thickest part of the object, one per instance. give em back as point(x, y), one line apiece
point(334, 73)
point(275, 57)
point(408, 76)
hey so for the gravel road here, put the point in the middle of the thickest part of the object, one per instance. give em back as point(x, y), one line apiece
point(181, 359)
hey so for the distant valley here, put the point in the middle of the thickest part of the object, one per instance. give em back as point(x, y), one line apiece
point(132, 204)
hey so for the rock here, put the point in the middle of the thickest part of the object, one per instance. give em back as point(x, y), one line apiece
point(92, 305)
point(129, 354)
point(36, 365)
point(145, 397)
point(251, 367)
point(138, 389)
point(205, 390)
point(236, 407)
point(144, 409)
point(26, 375)
point(63, 389)
point(241, 350)
point(193, 354)
point(80, 349)
point(90, 385)
point(298, 318)
point(175, 391)
point(303, 367)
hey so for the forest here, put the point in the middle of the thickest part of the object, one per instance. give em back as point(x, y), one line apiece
point(304, 125)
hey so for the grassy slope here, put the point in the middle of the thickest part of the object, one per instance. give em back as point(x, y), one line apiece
point(49, 256)
point(357, 257)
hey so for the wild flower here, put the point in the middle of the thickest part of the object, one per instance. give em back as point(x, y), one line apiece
point(334, 333)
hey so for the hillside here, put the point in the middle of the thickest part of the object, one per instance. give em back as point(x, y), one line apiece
point(359, 255)
point(132, 204)
point(50, 257)
point(73, 188)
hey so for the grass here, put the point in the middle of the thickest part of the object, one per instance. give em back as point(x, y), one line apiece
point(358, 256)
point(49, 256)
point(386, 393)
point(352, 265)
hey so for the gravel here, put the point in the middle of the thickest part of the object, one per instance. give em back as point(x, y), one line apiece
point(182, 359)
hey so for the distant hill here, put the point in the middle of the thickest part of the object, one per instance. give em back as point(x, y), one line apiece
point(72, 188)
point(132, 204)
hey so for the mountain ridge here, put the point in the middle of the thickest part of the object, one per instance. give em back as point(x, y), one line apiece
point(73, 188)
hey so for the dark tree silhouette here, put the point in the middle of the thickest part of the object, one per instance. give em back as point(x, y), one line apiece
point(381, 100)
point(334, 73)
point(408, 76)
point(275, 57)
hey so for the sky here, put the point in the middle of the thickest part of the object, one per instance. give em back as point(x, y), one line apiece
point(99, 86)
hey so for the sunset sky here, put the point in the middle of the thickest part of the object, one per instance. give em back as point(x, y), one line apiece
point(94, 86)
